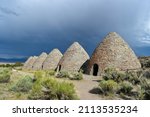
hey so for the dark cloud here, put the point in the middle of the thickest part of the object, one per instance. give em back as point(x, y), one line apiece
point(42, 25)
point(8, 11)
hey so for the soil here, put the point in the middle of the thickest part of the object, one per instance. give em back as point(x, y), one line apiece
point(87, 88)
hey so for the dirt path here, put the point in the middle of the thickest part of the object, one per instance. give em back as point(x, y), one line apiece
point(85, 86)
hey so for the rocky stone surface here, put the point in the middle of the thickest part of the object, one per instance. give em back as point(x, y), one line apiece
point(38, 64)
point(52, 60)
point(27, 62)
point(73, 58)
point(113, 52)
point(31, 62)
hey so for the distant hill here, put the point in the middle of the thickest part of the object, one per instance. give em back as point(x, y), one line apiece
point(12, 60)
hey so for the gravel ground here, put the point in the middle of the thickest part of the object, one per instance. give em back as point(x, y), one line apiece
point(85, 86)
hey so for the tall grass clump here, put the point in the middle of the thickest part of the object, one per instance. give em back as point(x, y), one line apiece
point(5, 74)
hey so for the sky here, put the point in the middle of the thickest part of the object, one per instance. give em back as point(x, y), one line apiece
point(29, 27)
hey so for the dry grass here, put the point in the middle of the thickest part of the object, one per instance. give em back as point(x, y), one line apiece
point(6, 94)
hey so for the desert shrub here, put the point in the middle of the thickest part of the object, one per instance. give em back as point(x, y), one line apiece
point(133, 77)
point(146, 87)
point(81, 71)
point(8, 65)
point(39, 74)
point(62, 74)
point(17, 64)
point(36, 92)
point(141, 94)
point(146, 64)
point(23, 85)
point(51, 89)
point(117, 76)
point(76, 76)
point(147, 94)
point(69, 75)
point(110, 70)
point(50, 72)
point(5, 74)
point(146, 74)
point(66, 91)
point(112, 74)
point(2, 65)
point(108, 86)
point(125, 87)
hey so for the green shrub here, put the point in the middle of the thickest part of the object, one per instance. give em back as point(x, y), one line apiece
point(108, 86)
point(66, 91)
point(76, 76)
point(23, 85)
point(17, 64)
point(125, 87)
point(63, 74)
point(50, 72)
point(146, 74)
point(39, 74)
point(110, 70)
point(51, 89)
point(36, 92)
point(141, 94)
point(145, 61)
point(5, 74)
point(146, 87)
point(2, 65)
point(112, 74)
point(146, 64)
point(133, 77)
point(147, 94)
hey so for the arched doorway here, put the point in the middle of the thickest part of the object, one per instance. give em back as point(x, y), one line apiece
point(59, 67)
point(95, 70)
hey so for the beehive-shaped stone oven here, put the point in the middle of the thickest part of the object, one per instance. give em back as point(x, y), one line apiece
point(112, 52)
point(52, 60)
point(31, 62)
point(25, 66)
point(38, 64)
point(73, 58)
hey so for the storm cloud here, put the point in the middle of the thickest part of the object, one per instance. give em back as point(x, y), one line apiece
point(30, 27)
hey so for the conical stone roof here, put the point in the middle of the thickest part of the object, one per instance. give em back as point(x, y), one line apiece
point(52, 60)
point(73, 59)
point(113, 52)
point(38, 64)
